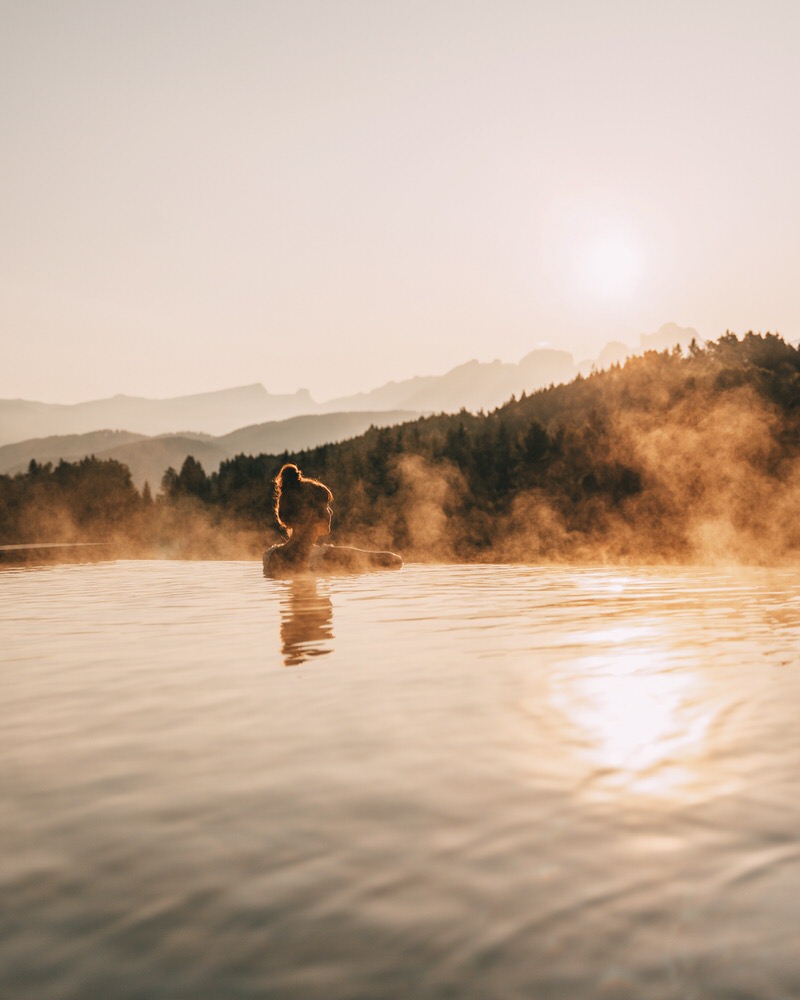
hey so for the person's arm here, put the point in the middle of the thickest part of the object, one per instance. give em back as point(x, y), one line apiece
point(345, 557)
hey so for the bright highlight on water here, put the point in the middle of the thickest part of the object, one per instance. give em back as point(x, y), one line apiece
point(449, 781)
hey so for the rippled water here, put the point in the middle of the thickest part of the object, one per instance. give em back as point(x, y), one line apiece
point(450, 782)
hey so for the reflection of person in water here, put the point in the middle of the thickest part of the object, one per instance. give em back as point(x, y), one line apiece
point(303, 510)
point(306, 622)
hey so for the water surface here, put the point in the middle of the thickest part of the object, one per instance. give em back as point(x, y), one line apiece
point(459, 781)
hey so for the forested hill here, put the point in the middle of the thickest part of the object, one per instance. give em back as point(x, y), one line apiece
point(669, 457)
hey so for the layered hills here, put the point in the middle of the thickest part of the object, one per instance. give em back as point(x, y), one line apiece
point(153, 435)
point(210, 412)
point(474, 386)
point(149, 457)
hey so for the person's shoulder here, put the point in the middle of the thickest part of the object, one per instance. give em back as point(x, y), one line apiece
point(318, 556)
point(272, 559)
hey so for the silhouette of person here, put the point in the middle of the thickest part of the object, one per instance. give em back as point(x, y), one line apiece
point(303, 510)
point(306, 622)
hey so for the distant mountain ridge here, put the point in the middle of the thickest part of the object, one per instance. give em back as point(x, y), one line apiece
point(149, 457)
point(211, 412)
point(474, 385)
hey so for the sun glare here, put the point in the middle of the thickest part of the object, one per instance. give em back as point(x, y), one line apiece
point(611, 265)
point(605, 256)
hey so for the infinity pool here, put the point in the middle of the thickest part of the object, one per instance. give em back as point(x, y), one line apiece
point(447, 782)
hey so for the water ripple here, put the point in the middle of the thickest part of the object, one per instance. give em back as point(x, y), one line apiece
point(473, 781)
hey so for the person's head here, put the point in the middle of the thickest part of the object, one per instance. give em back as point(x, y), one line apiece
point(300, 503)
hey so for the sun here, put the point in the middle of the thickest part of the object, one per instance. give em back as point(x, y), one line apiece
point(605, 258)
point(611, 263)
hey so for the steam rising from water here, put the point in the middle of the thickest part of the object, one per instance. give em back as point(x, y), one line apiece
point(429, 495)
point(669, 459)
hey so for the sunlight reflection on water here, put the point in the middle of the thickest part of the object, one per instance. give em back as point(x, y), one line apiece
point(449, 781)
point(640, 721)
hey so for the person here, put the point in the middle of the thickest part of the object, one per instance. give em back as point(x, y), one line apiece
point(303, 510)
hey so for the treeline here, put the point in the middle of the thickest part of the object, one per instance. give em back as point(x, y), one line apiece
point(669, 457)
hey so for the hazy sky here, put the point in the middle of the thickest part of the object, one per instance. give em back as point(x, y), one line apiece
point(195, 195)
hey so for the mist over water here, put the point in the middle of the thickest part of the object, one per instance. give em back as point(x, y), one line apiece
point(451, 781)
point(675, 458)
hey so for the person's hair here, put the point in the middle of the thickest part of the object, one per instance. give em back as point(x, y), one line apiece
point(296, 498)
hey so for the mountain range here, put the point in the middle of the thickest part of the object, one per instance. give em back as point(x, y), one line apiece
point(210, 412)
point(149, 457)
point(475, 385)
point(149, 435)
